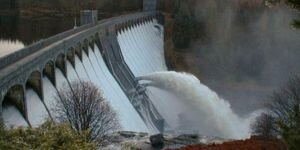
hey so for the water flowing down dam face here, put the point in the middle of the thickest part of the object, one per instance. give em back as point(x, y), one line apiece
point(49, 94)
point(143, 48)
point(37, 112)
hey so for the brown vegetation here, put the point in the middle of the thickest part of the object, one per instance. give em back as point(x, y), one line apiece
point(255, 143)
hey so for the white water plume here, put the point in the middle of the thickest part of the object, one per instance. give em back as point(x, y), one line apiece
point(201, 110)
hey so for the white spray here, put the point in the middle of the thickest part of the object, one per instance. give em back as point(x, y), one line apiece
point(203, 110)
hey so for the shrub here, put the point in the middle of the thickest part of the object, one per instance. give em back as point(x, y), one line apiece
point(84, 108)
point(47, 136)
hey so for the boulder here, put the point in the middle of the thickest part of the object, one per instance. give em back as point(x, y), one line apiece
point(157, 141)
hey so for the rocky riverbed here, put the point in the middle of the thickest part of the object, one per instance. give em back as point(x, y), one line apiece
point(125, 140)
point(141, 141)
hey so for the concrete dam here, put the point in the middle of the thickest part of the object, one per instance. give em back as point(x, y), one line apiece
point(111, 53)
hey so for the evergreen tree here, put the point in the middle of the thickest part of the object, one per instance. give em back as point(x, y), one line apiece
point(295, 4)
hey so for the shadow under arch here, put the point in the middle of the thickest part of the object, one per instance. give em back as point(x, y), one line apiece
point(71, 56)
point(85, 46)
point(49, 72)
point(34, 81)
point(61, 64)
point(15, 96)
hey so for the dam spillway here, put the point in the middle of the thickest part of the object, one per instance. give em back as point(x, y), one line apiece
point(110, 54)
point(143, 54)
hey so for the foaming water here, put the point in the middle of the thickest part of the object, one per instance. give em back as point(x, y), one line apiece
point(198, 108)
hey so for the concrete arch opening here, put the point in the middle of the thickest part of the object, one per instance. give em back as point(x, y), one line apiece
point(91, 43)
point(13, 107)
point(71, 56)
point(49, 72)
point(78, 51)
point(35, 82)
point(60, 63)
point(85, 46)
point(97, 40)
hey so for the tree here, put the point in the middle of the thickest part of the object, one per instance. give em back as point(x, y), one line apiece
point(264, 126)
point(296, 5)
point(84, 108)
point(285, 110)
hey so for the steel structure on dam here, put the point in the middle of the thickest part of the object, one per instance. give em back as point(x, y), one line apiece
point(111, 53)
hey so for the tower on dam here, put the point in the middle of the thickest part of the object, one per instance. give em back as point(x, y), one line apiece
point(88, 16)
point(149, 5)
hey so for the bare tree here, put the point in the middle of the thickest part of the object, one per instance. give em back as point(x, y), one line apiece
point(86, 110)
point(285, 115)
point(264, 126)
point(285, 103)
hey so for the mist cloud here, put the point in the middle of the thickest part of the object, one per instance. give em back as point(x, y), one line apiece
point(245, 49)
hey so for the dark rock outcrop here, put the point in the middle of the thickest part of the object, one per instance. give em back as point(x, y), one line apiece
point(157, 141)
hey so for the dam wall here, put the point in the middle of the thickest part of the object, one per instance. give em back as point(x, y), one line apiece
point(31, 77)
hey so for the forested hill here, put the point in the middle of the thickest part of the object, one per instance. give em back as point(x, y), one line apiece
point(72, 7)
point(67, 7)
